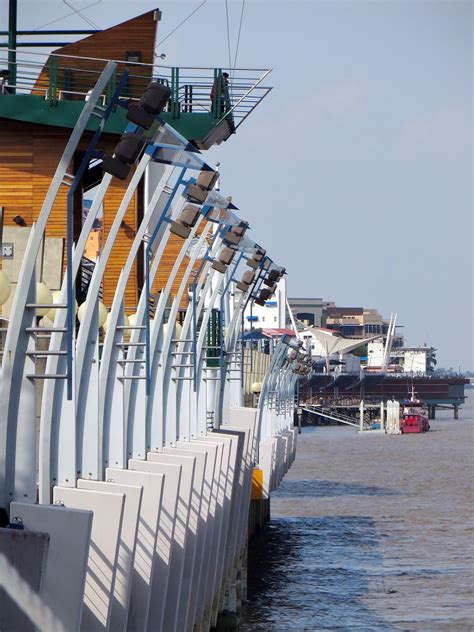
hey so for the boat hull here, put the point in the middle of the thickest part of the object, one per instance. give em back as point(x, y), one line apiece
point(414, 424)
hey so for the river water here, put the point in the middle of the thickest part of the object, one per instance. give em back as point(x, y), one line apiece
point(370, 533)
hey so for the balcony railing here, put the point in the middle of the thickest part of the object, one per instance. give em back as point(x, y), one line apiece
point(59, 78)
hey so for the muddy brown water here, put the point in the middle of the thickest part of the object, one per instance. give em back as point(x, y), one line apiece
point(370, 533)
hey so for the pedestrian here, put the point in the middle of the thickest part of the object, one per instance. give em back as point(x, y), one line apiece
point(4, 88)
point(224, 82)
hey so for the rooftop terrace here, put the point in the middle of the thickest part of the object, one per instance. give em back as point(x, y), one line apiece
point(51, 89)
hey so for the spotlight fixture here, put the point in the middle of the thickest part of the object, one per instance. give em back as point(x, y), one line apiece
point(204, 183)
point(265, 294)
point(186, 220)
point(246, 280)
point(223, 260)
point(259, 254)
point(127, 151)
point(235, 234)
point(252, 263)
point(151, 103)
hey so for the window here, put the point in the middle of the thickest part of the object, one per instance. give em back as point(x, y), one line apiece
point(133, 56)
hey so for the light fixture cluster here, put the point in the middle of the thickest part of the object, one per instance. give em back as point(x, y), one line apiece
point(196, 195)
point(300, 361)
point(256, 259)
point(131, 144)
point(271, 282)
point(302, 364)
point(151, 103)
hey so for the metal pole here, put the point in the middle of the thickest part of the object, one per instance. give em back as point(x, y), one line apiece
point(12, 33)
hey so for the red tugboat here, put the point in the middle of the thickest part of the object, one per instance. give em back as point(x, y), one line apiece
point(414, 416)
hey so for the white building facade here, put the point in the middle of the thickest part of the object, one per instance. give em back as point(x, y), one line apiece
point(272, 315)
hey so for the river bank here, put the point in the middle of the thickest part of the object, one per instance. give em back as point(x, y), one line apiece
point(370, 533)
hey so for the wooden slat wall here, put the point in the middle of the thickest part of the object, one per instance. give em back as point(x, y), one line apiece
point(48, 146)
point(16, 166)
point(122, 244)
point(29, 155)
point(137, 34)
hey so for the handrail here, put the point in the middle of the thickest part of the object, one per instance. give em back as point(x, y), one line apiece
point(59, 77)
point(135, 63)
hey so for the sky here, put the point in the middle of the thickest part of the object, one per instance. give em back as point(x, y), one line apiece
point(356, 172)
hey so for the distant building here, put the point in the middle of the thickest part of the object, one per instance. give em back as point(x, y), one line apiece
point(412, 360)
point(417, 360)
point(310, 311)
point(355, 322)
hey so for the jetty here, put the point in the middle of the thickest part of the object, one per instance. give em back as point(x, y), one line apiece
point(138, 451)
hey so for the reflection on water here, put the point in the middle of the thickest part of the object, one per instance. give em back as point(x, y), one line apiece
point(322, 489)
point(307, 569)
point(370, 533)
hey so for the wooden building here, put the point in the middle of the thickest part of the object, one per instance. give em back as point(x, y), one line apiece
point(35, 127)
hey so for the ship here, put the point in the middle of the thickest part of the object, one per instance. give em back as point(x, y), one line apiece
point(414, 416)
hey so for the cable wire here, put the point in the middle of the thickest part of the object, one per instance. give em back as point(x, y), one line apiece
point(180, 24)
point(63, 17)
point(84, 17)
point(228, 33)
point(238, 36)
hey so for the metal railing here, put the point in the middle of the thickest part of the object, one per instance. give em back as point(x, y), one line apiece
point(197, 90)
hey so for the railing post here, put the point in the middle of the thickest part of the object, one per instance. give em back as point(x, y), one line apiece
point(53, 80)
point(175, 92)
point(12, 33)
point(111, 87)
point(216, 93)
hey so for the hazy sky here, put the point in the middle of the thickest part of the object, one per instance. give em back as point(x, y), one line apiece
point(356, 172)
